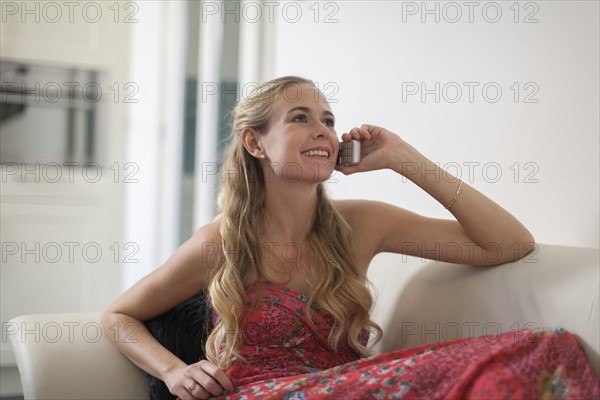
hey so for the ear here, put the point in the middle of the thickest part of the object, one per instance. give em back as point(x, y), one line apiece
point(251, 141)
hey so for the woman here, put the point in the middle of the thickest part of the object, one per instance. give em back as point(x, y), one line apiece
point(285, 267)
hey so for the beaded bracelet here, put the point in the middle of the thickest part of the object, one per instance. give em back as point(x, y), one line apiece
point(455, 195)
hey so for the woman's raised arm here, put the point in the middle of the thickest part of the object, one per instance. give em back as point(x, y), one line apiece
point(484, 233)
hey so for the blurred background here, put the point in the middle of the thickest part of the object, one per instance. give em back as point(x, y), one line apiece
point(113, 117)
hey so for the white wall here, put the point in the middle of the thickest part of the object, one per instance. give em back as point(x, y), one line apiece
point(546, 151)
point(36, 211)
point(154, 135)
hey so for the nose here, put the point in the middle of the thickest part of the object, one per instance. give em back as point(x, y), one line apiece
point(322, 131)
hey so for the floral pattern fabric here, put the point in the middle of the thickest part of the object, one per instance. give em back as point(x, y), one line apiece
point(287, 357)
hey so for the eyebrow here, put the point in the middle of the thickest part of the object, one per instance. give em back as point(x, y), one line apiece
point(308, 110)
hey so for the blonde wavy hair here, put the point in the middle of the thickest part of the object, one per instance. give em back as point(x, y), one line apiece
point(341, 288)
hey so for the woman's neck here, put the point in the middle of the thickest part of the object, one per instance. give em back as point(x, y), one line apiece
point(289, 211)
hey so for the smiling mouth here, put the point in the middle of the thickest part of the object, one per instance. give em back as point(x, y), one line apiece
point(319, 153)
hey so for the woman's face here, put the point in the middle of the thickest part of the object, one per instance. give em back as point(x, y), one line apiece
point(301, 143)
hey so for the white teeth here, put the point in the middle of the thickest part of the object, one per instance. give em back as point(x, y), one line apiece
point(321, 153)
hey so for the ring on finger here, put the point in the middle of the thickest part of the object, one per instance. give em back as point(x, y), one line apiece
point(191, 386)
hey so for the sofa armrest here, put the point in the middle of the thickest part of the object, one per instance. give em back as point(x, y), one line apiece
point(68, 356)
point(422, 301)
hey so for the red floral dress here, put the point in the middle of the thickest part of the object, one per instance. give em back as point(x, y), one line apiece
point(287, 357)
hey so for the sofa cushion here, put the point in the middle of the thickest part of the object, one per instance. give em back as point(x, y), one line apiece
point(183, 331)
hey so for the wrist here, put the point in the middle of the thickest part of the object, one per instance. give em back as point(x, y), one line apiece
point(169, 373)
point(409, 163)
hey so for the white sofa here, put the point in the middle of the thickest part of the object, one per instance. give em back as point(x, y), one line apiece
point(418, 301)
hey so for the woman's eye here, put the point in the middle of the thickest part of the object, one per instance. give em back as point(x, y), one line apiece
point(300, 118)
point(329, 122)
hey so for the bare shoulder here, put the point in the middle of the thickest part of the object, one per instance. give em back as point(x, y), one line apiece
point(380, 226)
point(208, 237)
point(212, 230)
point(357, 212)
point(369, 213)
point(205, 245)
point(193, 263)
point(362, 216)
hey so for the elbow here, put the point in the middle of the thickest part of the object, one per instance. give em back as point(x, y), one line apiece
point(526, 245)
point(107, 318)
point(520, 248)
point(511, 250)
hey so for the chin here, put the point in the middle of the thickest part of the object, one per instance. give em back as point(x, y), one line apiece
point(319, 172)
point(324, 177)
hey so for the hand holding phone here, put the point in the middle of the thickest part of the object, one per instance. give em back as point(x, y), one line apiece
point(349, 153)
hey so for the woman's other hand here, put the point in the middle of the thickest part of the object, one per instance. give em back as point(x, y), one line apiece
point(201, 380)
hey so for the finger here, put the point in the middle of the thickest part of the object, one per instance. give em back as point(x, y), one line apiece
point(217, 374)
point(346, 137)
point(369, 128)
point(185, 395)
point(360, 133)
point(199, 392)
point(223, 380)
point(204, 376)
point(364, 131)
point(354, 134)
point(205, 383)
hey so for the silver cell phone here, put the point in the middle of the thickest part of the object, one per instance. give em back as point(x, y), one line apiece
point(349, 153)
